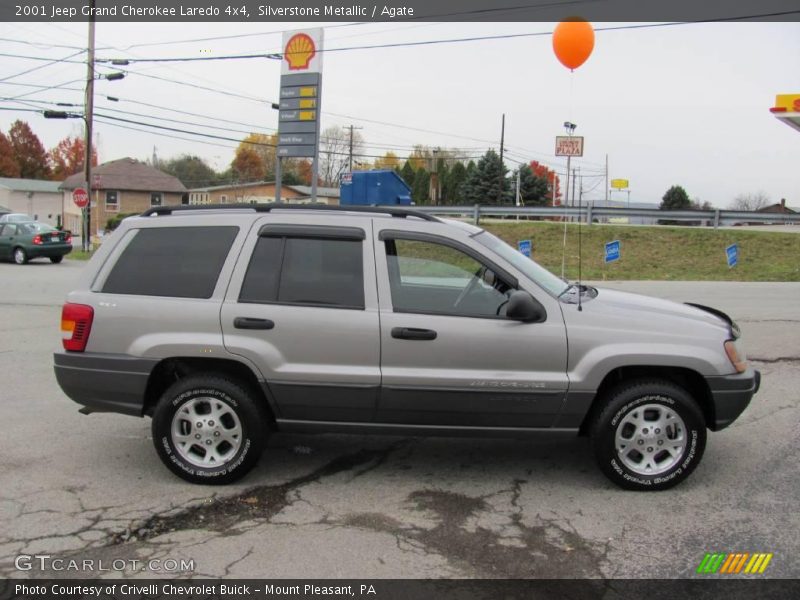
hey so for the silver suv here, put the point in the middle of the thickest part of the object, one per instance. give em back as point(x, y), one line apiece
point(226, 323)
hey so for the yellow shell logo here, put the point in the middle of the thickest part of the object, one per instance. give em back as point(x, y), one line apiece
point(299, 51)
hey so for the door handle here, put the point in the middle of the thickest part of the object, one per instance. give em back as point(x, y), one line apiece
point(251, 323)
point(413, 333)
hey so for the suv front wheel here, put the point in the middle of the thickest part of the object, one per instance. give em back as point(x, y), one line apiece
point(209, 430)
point(649, 436)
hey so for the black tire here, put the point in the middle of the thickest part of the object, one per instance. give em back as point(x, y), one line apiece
point(19, 255)
point(56, 259)
point(667, 457)
point(224, 397)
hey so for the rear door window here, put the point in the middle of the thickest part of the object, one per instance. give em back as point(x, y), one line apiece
point(181, 262)
point(306, 271)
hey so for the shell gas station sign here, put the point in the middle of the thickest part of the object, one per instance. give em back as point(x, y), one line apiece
point(787, 109)
point(301, 84)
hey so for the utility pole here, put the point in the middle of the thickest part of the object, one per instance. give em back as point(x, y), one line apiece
point(351, 147)
point(606, 179)
point(86, 243)
point(502, 143)
point(434, 186)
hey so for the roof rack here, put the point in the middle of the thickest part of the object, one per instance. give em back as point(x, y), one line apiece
point(386, 210)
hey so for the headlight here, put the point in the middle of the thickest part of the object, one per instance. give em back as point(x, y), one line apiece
point(733, 355)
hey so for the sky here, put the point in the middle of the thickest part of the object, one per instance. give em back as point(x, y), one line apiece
point(683, 105)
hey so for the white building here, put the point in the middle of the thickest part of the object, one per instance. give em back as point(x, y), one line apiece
point(39, 198)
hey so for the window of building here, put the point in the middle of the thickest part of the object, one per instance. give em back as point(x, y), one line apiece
point(182, 262)
point(155, 199)
point(223, 199)
point(112, 200)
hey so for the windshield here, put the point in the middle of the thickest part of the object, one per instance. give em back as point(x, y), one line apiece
point(529, 267)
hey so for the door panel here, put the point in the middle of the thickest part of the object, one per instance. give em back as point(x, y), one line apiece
point(320, 356)
point(482, 370)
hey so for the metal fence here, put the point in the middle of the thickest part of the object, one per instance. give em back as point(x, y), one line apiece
point(592, 214)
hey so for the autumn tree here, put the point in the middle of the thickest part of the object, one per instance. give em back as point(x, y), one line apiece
point(68, 156)
point(752, 201)
point(247, 165)
point(29, 151)
point(192, 171)
point(549, 175)
point(387, 161)
point(9, 167)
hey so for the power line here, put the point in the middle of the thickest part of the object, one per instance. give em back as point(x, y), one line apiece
point(52, 62)
point(278, 54)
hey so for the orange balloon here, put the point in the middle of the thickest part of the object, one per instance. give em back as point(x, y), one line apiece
point(573, 42)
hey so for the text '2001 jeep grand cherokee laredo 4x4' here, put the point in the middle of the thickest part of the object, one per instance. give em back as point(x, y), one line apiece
point(225, 323)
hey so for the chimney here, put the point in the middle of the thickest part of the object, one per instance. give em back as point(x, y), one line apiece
point(783, 203)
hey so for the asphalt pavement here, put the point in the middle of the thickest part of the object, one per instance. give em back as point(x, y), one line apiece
point(91, 487)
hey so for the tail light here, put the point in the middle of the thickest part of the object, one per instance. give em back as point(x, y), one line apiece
point(68, 237)
point(76, 324)
point(37, 239)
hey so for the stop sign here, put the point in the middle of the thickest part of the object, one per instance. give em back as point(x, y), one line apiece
point(80, 197)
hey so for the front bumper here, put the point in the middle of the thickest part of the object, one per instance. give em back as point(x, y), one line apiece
point(730, 395)
point(104, 382)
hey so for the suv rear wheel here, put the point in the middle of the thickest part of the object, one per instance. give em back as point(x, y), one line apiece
point(649, 436)
point(209, 429)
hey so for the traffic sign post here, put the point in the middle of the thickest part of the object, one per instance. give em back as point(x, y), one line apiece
point(612, 251)
point(80, 197)
point(525, 247)
point(732, 253)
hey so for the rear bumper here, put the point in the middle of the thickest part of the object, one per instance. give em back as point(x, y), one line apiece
point(48, 250)
point(103, 382)
point(731, 394)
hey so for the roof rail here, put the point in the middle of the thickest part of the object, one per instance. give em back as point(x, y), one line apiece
point(386, 210)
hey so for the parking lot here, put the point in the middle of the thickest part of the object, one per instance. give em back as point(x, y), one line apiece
point(92, 487)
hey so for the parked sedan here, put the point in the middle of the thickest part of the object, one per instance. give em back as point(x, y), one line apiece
point(15, 218)
point(21, 242)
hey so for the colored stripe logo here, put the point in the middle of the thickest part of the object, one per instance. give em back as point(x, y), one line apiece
point(734, 563)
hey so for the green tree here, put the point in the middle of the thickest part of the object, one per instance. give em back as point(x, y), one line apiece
point(9, 167)
point(487, 184)
point(533, 190)
point(420, 191)
point(676, 198)
point(192, 170)
point(407, 173)
point(29, 151)
point(452, 184)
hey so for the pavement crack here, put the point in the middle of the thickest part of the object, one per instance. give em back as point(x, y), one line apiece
point(259, 503)
point(779, 359)
point(548, 550)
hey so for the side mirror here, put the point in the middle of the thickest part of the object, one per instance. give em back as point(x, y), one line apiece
point(524, 307)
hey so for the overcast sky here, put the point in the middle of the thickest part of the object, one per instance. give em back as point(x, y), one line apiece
point(685, 105)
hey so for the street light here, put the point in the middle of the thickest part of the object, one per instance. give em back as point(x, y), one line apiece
point(62, 114)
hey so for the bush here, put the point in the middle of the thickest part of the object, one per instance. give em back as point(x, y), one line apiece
point(113, 222)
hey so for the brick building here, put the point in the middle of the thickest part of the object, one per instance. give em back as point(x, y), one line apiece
point(121, 186)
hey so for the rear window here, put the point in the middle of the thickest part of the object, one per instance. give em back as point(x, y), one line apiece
point(181, 262)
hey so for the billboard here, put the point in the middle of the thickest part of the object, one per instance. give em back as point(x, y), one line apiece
point(569, 145)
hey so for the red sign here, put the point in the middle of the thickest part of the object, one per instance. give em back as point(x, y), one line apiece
point(80, 197)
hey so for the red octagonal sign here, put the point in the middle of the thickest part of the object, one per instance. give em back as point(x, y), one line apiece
point(80, 197)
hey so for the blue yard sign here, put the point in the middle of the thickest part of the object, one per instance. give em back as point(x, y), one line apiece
point(733, 254)
point(612, 251)
point(524, 246)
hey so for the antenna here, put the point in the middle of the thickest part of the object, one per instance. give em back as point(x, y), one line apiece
point(580, 253)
